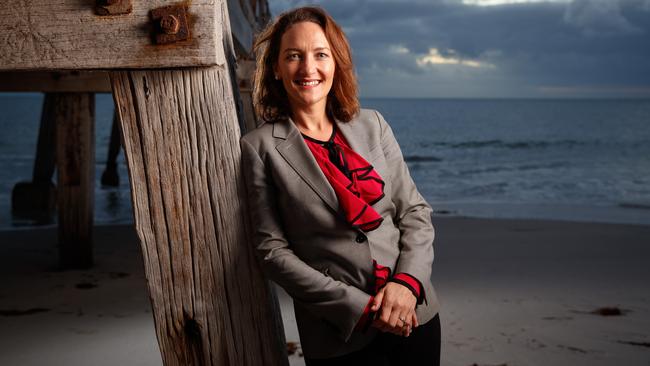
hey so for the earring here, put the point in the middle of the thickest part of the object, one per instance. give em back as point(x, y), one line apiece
point(277, 77)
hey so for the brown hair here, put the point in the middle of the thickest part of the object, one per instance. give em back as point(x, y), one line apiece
point(269, 96)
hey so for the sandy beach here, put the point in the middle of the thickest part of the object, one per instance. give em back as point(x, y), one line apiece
point(513, 292)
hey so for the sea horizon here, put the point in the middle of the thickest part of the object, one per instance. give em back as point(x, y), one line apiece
point(568, 160)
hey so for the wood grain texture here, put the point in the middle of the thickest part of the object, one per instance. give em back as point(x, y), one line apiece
point(55, 81)
point(181, 139)
point(75, 119)
point(67, 34)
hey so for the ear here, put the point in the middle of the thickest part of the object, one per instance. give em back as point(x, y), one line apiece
point(276, 73)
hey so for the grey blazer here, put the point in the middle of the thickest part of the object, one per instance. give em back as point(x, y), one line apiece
point(305, 244)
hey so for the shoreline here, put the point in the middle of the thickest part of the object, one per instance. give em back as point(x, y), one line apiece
point(515, 292)
point(637, 215)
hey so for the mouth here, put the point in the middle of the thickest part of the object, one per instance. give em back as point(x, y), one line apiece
point(307, 83)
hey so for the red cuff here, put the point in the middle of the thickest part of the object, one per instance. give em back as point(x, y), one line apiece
point(365, 317)
point(411, 282)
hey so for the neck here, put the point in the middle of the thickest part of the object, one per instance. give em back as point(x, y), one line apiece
point(313, 120)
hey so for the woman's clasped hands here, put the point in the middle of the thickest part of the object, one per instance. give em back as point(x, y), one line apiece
point(394, 305)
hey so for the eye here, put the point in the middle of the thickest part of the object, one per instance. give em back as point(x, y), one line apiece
point(293, 56)
point(323, 55)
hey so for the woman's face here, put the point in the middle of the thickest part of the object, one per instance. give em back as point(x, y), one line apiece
point(305, 65)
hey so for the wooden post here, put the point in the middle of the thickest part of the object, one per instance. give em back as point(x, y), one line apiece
point(181, 140)
point(110, 176)
point(75, 118)
point(180, 133)
point(45, 160)
point(245, 70)
point(37, 199)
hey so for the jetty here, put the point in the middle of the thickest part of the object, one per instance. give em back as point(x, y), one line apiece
point(179, 73)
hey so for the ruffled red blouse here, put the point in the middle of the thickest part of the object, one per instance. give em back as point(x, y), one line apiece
point(357, 186)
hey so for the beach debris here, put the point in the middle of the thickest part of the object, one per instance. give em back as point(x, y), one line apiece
point(571, 348)
point(114, 275)
point(604, 311)
point(292, 347)
point(633, 343)
point(13, 312)
point(485, 364)
point(609, 311)
point(557, 318)
point(85, 285)
point(534, 343)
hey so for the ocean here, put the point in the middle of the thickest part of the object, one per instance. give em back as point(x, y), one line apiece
point(577, 160)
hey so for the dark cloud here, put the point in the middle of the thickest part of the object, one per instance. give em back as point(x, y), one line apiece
point(591, 47)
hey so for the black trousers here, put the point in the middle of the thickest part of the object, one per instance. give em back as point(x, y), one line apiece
point(422, 347)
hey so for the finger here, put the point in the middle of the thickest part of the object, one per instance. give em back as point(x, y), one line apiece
point(414, 320)
point(396, 319)
point(376, 303)
point(386, 312)
point(379, 324)
point(407, 330)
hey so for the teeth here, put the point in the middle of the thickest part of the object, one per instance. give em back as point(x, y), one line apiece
point(308, 83)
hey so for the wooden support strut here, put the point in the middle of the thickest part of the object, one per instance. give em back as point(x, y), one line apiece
point(36, 199)
point(75, 117)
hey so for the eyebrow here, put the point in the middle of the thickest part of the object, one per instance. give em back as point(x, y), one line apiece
point(299, 50)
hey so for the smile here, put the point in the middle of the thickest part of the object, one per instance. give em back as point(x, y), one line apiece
point(307, 83)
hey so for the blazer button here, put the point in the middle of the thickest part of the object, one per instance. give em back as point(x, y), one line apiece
point(361, 238)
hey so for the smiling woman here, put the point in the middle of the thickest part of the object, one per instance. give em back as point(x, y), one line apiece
point(338, 221)
point(305, 66)
point(271, 99)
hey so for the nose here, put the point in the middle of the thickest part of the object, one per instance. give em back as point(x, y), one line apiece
point(308, 65)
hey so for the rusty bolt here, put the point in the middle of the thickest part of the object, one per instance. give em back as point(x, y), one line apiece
point(169, 24)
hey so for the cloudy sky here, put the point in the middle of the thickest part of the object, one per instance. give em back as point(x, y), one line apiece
point(496, 48)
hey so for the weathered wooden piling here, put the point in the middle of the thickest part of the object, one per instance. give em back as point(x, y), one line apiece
point(171, 69)
point(74, 116)
point(110, 177)
point(36, 199)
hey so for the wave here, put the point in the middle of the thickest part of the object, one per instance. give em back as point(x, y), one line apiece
point(526, 167)
point(514, 145)
point(635, 205)
point(421, 159)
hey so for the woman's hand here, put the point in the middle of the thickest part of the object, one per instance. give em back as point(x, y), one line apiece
point(396, 306)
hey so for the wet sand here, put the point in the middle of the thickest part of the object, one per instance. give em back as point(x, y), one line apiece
point(513, 292)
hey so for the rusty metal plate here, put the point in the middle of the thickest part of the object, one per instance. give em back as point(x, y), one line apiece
point(170, 24)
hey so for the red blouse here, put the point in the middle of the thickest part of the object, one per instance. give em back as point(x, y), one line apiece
point(357, 186)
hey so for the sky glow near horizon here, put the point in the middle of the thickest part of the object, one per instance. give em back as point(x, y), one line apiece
point(508, 2)
point(496, 48)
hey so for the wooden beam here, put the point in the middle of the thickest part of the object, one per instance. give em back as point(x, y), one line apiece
point(68, 34)
point(75, 155)
point(55, 81)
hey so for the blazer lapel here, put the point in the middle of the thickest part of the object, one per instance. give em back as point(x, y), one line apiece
point(356, 137)
point(295, 151)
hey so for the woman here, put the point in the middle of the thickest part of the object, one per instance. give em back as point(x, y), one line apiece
point(339, 223)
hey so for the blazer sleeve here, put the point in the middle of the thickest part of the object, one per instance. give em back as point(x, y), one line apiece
point(339, 304)
point(413, 213)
